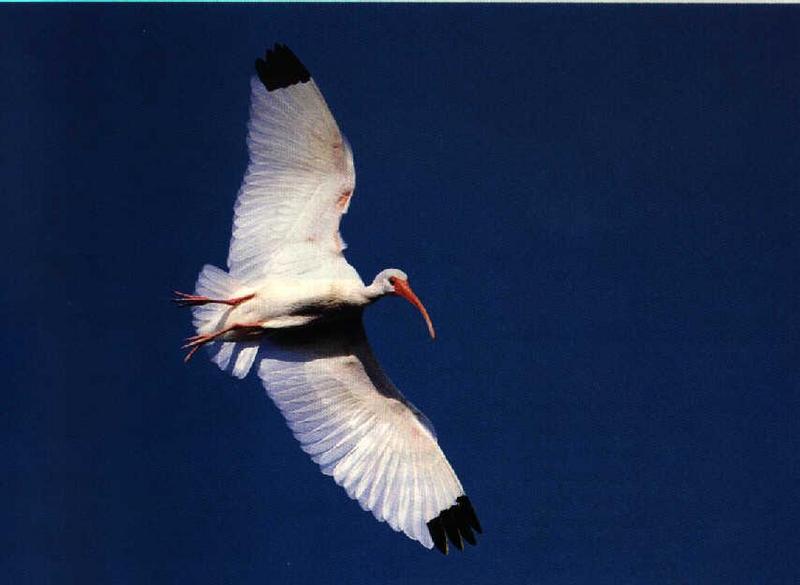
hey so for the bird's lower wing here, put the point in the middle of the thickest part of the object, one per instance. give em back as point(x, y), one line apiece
point(356, 425)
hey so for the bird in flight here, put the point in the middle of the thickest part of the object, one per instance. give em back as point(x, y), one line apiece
point(292, 304)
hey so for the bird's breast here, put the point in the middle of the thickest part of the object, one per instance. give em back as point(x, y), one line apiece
point(312, 298)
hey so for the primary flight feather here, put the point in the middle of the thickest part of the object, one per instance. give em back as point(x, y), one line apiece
point(291, 303)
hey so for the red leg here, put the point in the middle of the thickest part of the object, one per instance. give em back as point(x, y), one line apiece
point(195, 342)
point(187, 300)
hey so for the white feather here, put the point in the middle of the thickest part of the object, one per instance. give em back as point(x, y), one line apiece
point(297, 186)
point(359, 428)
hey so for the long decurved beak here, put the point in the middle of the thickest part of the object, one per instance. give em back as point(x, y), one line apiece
point(402, 288)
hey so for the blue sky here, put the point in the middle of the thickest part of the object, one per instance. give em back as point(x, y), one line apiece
point(598, 206)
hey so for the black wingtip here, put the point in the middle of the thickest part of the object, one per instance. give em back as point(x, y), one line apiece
point(469, 513)
point(281, 68)
point(436, 528)
point(456, 523)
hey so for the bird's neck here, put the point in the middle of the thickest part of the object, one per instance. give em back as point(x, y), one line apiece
point(374, 291)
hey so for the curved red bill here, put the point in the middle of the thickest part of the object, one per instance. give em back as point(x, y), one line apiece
point(402, 288)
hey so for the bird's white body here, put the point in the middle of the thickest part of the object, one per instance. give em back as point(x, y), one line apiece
point(290, 304)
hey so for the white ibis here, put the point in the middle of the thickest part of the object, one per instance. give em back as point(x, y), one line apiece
point(291, 301)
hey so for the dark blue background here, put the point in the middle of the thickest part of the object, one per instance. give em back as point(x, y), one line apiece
point(599, 206)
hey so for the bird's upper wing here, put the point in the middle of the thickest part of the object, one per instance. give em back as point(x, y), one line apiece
point(354, 423)
point(299, 180)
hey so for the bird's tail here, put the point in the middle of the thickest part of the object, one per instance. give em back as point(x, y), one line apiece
point(234, 357)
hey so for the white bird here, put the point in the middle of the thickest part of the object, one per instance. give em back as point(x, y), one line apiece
point(292, 302)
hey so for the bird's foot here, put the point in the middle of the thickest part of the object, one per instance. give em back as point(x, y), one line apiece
point(195, 342)
point(187, 300)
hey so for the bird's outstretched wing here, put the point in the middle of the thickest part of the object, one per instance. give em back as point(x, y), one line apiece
point(354, 423)
point(299, 180)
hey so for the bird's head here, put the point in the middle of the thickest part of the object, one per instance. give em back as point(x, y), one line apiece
point(395, 282)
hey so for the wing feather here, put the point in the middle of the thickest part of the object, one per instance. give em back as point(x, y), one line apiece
point(358, 427)
point(287, 213)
